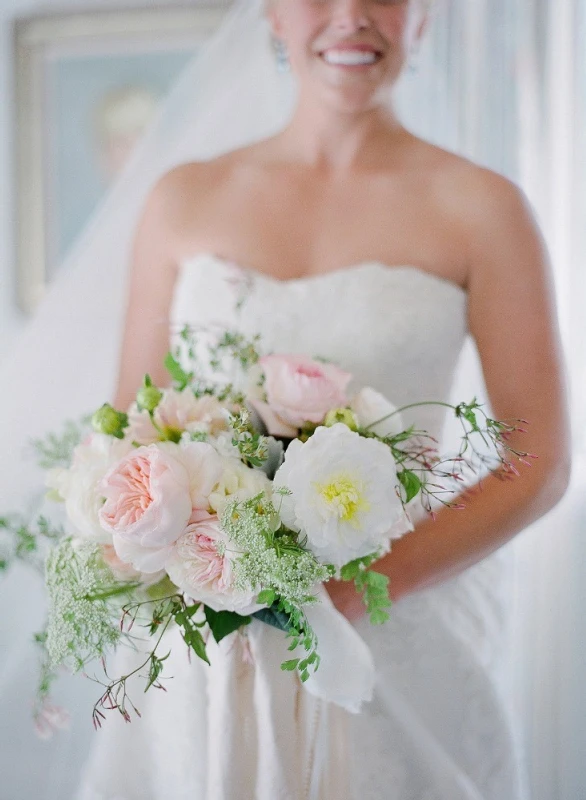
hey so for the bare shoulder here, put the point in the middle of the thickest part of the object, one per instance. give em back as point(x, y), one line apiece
point(483, 195)
point(497, 218)
point(188, 180)
point(502, 231)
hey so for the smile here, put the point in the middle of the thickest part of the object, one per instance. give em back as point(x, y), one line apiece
point(351, 58)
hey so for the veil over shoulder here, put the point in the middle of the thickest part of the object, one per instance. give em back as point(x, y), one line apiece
point(230, 94)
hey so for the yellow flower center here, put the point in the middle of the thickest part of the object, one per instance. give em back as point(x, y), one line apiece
point(344, 494)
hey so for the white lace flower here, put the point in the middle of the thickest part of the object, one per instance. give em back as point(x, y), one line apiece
point(341, 494)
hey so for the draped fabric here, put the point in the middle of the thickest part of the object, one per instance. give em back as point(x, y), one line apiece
point(552, 169)
point(506, 86)
point(518, 75)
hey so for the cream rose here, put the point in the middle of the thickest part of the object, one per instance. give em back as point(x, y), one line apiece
point(79, 485)
point(371, 406)
point(238, 482)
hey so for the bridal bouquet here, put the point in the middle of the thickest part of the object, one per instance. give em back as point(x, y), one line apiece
point(210, 503)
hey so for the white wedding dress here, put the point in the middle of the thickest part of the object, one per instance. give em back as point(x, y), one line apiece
point(439, 726)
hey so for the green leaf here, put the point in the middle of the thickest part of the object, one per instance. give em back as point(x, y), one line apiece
point(155, 669)
point(354, 570)
point(398, 438)
point(377, 581)
point(223, 623)
point(194, 639)
point(164, 588)
point(267, 597)
point(410, 483)
point(351, 571)
point(379, 616)
point(277, 619)
point(176, 371)
point(290, 666)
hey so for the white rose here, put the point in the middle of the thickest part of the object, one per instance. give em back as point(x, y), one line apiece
point(238, 482)
point(371, 406)
point(79, 485)
point(342, 494)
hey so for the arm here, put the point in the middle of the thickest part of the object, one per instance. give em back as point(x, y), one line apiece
point(513, 320)
point(153, 272)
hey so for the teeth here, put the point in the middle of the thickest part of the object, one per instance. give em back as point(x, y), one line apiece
point(349, 57)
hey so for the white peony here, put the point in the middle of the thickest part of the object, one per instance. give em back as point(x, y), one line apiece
point(342, 494)
point(371, 406)
point(79, 485)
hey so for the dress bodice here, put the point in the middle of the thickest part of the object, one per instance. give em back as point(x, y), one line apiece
point(398, 329)
point(439, 725)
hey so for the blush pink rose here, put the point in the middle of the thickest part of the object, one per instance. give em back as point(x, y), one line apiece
point(150, 496)
point(177, 412)
point(201, 567)
point(298, 390)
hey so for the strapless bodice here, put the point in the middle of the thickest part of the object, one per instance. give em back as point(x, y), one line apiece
point(399, 329)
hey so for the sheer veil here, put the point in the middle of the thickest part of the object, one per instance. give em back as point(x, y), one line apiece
point(65, 362)
point(229, 95)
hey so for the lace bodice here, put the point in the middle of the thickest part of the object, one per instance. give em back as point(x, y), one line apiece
point(398, 329)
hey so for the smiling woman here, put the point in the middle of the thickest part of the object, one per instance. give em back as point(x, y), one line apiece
point(371, 38)
point(340, 233)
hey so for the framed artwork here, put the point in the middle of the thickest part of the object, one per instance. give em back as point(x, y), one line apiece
point(87, 85)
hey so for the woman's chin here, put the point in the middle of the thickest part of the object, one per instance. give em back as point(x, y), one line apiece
point(352, 93)
point(354, 100)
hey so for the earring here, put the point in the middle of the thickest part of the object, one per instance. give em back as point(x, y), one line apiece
point(281, 54)
point(412, 62)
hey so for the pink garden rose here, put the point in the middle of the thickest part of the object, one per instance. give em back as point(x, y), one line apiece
point(298, 390)
point(201, 566)
point(177, 412)
point(150, 496)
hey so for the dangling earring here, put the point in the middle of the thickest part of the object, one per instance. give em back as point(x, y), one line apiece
point(281, 54)
point(412, 62)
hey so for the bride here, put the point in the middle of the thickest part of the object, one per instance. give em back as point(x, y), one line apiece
point(346, 236)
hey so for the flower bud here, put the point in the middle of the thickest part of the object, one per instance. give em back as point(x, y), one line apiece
point(343, 415)
point(110, 422)
point(148, 398)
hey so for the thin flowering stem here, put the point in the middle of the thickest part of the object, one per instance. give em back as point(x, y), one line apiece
point(110, 699)
point(407, 408)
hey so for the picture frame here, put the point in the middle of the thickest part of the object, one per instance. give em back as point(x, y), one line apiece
point(86, 85)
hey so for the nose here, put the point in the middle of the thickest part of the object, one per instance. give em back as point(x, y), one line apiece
point(350, 15)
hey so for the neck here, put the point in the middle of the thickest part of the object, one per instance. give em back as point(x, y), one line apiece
point(334, 139)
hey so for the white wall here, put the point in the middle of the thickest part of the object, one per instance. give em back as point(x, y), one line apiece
point(11, 320)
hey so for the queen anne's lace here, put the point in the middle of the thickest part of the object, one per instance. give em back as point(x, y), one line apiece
point(80, 628)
